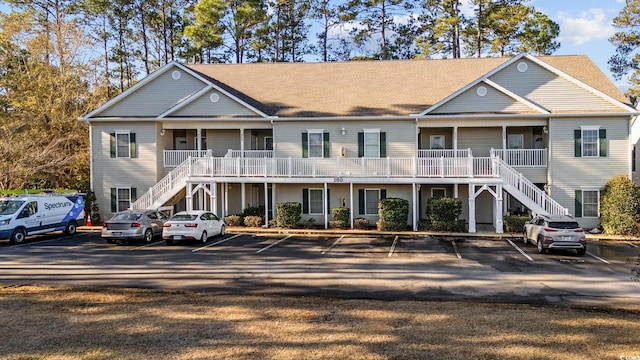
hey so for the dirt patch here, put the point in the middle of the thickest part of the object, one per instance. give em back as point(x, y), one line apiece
point(68, 323)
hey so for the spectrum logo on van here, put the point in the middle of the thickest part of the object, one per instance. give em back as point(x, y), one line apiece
point(57, 205)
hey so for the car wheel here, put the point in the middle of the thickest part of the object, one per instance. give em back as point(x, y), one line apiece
point(524, 237)
point(18, 236)
point(541, 249)
point(582, 251)
point(111, 241)
point(168, 241)
point(71, 228)
point(222, 230)
point(148, 236)
point(203, 237)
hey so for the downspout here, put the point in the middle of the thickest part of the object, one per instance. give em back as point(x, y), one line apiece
point(91, 157)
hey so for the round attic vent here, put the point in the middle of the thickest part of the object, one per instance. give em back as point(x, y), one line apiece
point(214, 97)
point(175, 75)
point(522, 66)
point(481, 91)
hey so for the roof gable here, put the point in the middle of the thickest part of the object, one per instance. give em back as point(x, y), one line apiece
point(210, 102)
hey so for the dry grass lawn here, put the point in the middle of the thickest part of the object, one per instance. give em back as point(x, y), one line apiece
point(68, 323)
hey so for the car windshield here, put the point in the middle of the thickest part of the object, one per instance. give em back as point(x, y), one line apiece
point(126, 216)
point(564, 225)
point(9, 207)
point(184, 217)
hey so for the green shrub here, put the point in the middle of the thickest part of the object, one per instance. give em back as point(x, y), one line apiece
point(288, 214)
point(619, 206)
point(444, 209)
point(393, 214)
point(459, 225)
point(361, 223)
point(233, 220)
point(335, 224)
point(253, 211)
point(341, 215)
point(515, 223)
point(253, 221)
point(424, 225)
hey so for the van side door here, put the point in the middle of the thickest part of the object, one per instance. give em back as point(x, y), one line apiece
point(29, 214)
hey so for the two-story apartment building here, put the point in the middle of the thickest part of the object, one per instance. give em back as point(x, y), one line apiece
point(537, 134)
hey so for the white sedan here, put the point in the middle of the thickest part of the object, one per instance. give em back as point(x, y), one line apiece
point(192, 225)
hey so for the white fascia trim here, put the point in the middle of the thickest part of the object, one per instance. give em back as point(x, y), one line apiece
point(472, 84)
point(581, 84)
point(590, 127)
point(516, 97)
point(138, 85)
point(188, 100)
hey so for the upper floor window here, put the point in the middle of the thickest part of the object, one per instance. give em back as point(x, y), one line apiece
point(590, 141)
point(515, 141)
point(372, 143)
point(436, 142)
point(123, 144)
point(315, 144)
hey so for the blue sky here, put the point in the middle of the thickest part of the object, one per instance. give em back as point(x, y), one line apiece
point(585, 28)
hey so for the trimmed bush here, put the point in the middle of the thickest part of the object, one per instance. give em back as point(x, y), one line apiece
point(288, 214)
point(253, 211)
point(443, 213)
point(341, 215)
point(233, 220)
point(335, 224)
point(253, 221)
point(393, 214)
point(361, 223)
point(515, 223)
point(619, 206)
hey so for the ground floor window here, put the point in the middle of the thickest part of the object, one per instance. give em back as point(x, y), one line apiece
point(590, 203)
point(122, 198)
point(315, 201)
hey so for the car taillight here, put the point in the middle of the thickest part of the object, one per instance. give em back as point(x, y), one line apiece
point(104, 224)
point(191, 225)
point(582, 240)
point(547, 239)
point(578, 230)
point(550, 229)
point(135, 224)
point(166, 225)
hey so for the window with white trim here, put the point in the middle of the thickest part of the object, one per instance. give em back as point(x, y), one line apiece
point(515, 141)
point(590, 142)
point(123, 199)
point(371, 198)
point(590, 203)
point(372, 144)
point(438, 192)
point(315, 144)
point(316, 201)
point(123, 147)
point(436, 142)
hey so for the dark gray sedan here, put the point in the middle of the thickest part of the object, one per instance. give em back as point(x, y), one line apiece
point(134, 225)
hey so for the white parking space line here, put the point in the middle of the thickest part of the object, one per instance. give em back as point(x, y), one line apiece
point(631, 244)
point(599, 258)
point(147, 245)
point(455, 247)
point(216, 243)
point(393, 246)
point(47, 241)
point(332, 245)
point(520, 250)
point(274, 244)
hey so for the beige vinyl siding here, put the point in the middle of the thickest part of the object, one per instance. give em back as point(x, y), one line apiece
point(536, 175)
point(140, 172)
point(493, 102)
point(156, 97)
point(570, 173)
point(220, 141)
point(204, 106)
point(550, 91)
point(480, 140)
point(401, 137)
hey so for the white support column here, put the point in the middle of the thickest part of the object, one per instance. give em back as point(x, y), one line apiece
point(243, 196)
point(273, 200)
point(455, 138)
point(472, 208)
point(242, 144)
point(326, 207)
point(351, 204)
point(415, 207)
point(214, 197)
point(266, 205)
point(455, 191)
point(226, 199)
point(498, 209)
point(504, 136)
point(188, 197)
point(199, 140)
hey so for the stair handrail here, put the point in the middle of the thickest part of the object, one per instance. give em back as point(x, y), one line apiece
point(167, 183)
point(514, 178)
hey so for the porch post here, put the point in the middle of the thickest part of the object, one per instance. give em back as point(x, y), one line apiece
point(504, 136)
point(472, 208)
point(498, 209)
point(351, 204)
point(455, 191)
point(188, 197)
point(326, 208)
point(243, 198)
point(266, 205)
point(199, 140)
point(226, 199)
point(214, 197)
point(415, 207)
point(242, 144)
point(455, 139)
point(273, 200)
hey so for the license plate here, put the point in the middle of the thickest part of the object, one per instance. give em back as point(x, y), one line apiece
point(566, 238)
point(176, 237)
point(116, 234)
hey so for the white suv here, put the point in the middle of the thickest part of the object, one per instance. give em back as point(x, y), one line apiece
point(555, 232)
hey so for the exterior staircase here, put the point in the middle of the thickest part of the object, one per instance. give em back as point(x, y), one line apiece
point(513, 182)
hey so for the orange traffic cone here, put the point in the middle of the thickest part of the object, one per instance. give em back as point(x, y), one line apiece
point(89, 220)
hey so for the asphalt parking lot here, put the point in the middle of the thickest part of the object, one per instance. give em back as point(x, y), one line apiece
point(345, 265)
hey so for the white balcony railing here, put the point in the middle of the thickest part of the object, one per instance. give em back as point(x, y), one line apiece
point(522, 157)
point(173, 158)
point(447, 153)
point(249, 153)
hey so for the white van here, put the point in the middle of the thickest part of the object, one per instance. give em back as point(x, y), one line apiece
point(38, 214)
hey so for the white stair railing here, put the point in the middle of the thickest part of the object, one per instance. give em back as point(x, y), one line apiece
point(175, 179)
point(520, 183)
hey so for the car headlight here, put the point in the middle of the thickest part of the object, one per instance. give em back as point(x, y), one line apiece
point(5, 222)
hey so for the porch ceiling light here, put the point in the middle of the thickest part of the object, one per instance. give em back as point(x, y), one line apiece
point(343, 131)
point(545, 129)
point(162, 132)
